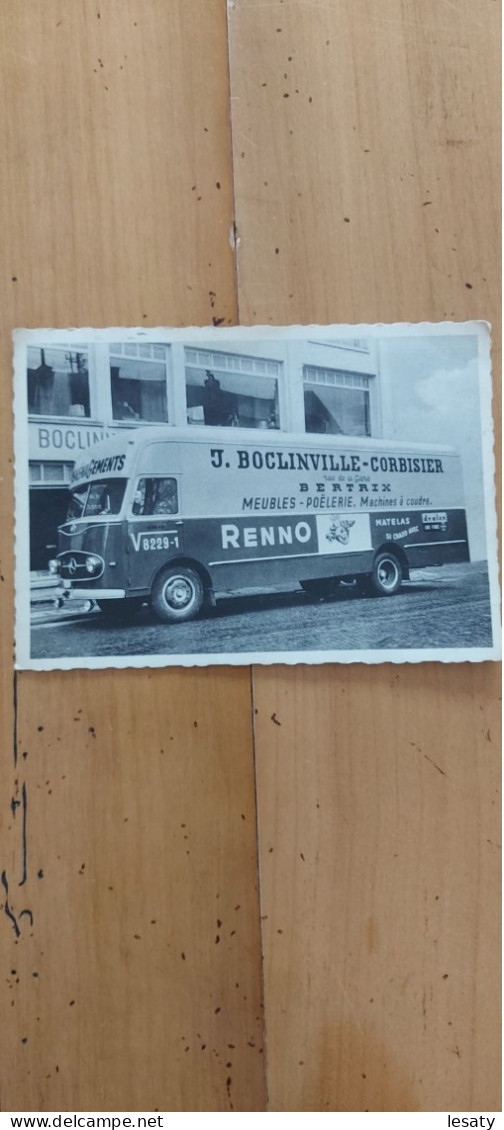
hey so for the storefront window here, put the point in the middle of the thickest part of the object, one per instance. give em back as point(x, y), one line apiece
point(228, 390)
point(48, 473)
point(336, 403)
point(138, 376)
point(58, 381)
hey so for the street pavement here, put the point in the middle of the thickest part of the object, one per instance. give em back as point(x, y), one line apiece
point(437, 608)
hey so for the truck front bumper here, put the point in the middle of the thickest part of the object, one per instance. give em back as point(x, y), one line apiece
point(66, 591)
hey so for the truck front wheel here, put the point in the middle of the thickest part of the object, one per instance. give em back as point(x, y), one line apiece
point(177, 594)
point(386, 577)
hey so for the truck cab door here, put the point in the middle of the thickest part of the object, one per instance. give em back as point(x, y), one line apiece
point(154, 528)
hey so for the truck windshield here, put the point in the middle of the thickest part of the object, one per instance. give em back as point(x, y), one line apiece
point(104, 496)
point(77, 502)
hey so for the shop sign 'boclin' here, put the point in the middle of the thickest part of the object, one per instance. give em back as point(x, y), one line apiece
point(52, 441)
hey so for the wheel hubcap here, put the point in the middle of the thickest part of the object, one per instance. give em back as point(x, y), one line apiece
point(178, 592)
point(387, 574)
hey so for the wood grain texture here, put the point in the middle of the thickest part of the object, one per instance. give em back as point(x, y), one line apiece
point(379, 869)
point(137, 987)
point(116, 201)
point(369, 192)
point(366, 141)
point(366, 159)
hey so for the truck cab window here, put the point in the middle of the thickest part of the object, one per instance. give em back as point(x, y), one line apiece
point(105, 497)
point(77, 502)
point(155, 496)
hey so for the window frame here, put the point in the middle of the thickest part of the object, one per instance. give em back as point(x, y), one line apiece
point(345, 381)
point(114, 354)
point(65, 465)
point(57, 417)
point(222, 363)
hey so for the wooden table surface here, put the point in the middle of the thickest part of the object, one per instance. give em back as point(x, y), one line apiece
point(343, 822)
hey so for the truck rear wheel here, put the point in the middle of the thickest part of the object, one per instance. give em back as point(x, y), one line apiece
point(386, 577)
point(177, 594)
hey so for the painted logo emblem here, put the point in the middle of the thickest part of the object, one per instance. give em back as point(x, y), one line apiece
point(339, 530)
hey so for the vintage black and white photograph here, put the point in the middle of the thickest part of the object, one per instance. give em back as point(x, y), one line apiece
point(302, 494)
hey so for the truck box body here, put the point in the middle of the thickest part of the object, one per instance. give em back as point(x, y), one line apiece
point(253, 509)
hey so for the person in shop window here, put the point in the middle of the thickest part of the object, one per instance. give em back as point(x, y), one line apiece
point(126, 412)
point(215, 401)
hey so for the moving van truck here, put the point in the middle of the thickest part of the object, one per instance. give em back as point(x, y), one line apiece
point(175, 515)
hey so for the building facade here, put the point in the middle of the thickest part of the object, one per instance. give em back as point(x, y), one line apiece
point(79, 394)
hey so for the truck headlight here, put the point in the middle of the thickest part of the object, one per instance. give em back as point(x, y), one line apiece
point(92, 564)
point(53, 566)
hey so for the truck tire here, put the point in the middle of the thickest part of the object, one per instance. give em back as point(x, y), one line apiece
point(177, 594)
point(387, 574)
